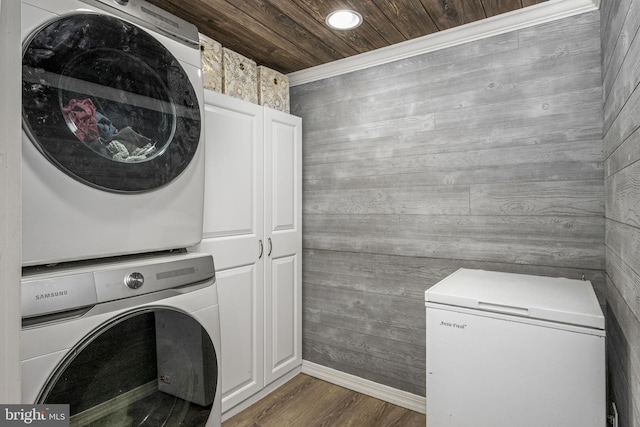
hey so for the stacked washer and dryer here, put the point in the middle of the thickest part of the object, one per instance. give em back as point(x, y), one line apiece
point(119, 320)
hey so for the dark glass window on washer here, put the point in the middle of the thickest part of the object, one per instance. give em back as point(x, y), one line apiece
point(134, 371)
point(108, 104)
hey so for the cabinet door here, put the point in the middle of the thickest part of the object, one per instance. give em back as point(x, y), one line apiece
point(283, 232)
point(241, 296)
point(232, 233)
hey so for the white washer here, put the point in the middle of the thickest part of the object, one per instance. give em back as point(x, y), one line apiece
point(134, 342)
point(112, 130)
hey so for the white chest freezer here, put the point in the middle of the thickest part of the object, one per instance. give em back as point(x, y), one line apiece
point(506, 350)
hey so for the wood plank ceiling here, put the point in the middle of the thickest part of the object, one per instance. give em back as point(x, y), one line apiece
point(291, 35)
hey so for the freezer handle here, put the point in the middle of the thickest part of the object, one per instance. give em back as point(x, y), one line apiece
point(500, 308)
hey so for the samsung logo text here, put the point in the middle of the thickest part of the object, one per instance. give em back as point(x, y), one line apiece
point(51, 295)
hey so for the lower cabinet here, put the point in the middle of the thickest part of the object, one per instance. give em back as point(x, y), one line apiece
point(253, 229)
point(242, 327)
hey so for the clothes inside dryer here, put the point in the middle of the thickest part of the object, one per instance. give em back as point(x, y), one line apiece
point(151, 367)
point(108, 104)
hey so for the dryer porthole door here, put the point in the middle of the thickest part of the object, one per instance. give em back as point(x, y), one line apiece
point(108, 104)
point(149, 367)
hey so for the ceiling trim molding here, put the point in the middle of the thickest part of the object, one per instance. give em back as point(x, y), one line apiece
point(540, 13)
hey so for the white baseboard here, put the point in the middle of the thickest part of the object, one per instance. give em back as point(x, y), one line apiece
point(370, 388)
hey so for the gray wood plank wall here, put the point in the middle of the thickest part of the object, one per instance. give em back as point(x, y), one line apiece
point(621, 89)
point(484, 155)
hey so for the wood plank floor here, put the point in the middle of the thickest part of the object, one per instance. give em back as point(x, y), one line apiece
point(309, 402)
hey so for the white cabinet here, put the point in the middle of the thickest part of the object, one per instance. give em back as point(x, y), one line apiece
point(283, 233)
point(252, 227)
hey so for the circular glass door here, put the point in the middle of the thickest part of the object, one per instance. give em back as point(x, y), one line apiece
point(108, 104)
point(151, 367)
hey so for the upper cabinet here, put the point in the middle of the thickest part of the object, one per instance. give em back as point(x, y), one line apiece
point(253, 228)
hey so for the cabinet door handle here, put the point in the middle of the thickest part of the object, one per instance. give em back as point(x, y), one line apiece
point(270, 247)
point(261, 245)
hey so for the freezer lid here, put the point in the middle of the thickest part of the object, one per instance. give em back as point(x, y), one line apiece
point(547, 298)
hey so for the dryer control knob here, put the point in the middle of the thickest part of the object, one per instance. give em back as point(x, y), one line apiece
point(134, 280)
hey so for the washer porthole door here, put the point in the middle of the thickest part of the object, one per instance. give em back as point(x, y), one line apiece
point(108, 104)
point(149, 367)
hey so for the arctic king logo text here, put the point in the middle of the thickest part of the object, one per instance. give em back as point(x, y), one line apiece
point(51, 295)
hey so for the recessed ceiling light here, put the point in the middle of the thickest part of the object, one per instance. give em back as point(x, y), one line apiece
point(344, 19)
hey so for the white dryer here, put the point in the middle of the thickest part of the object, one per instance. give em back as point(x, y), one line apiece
point(132, 342)
point(112, 105)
